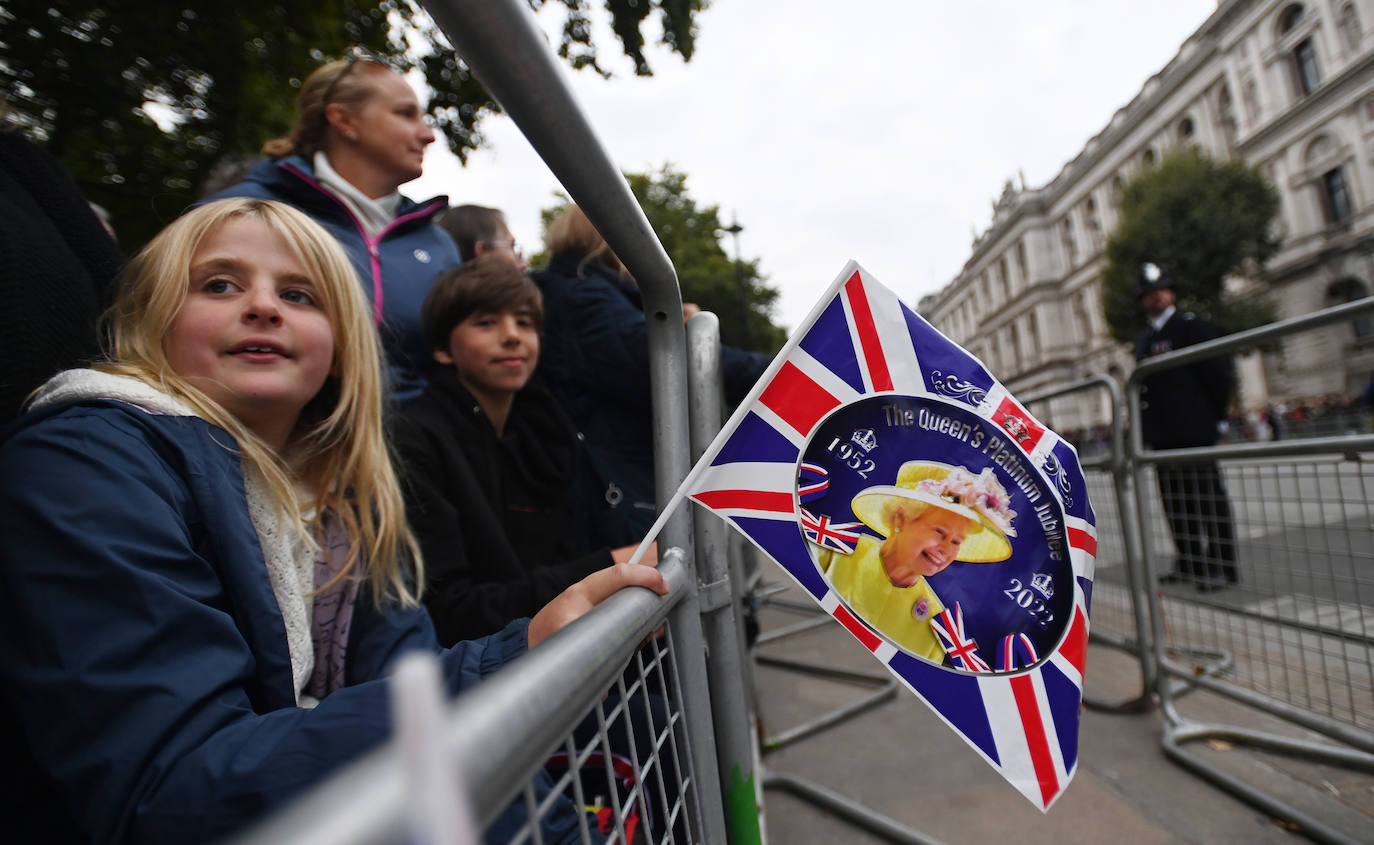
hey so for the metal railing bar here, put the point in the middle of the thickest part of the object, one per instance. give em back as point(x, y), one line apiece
point(539, 698)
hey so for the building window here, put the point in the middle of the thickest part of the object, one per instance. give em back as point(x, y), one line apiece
point(1335, 197)
point(1005, 278)
point(1066, 238)
point(1118, 185)
point(1305, 67)
point(1291, 17)
point(1349, 290)
point(1082, 319)
point(1094, 223)
point(1185, 129)
point(1350, 28)
point(1021, 266)
point(1147, 158)
point(1250, 95)
point(1226, 115)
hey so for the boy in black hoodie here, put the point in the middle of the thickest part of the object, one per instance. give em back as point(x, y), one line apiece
point(489, 458)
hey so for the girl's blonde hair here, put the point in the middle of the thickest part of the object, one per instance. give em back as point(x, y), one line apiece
point(571, 231)
point(345, 84)
point(337, 455)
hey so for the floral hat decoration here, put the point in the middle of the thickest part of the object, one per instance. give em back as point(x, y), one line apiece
point(979, 498)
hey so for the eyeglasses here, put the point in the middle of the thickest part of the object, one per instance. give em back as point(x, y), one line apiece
point(510, 245)
point(356, 53)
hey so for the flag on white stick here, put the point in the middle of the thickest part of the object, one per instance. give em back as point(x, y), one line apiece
point(930, 496)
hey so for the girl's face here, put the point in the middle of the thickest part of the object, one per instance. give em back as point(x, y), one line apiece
point(252, 333)
point(391, 130)
point(924, 545)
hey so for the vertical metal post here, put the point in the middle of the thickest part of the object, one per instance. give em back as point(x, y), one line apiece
point(502, 43)
point(730, 700)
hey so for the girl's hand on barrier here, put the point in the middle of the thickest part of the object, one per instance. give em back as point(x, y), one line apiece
point(624, 553)
point(581, 597)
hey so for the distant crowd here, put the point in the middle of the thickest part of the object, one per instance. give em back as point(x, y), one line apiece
point(1323, 415)
point(1326, 415)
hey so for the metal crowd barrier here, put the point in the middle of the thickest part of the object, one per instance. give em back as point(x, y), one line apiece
point(590, 679)
point(1119, 598)
point(503, 45)
point(1295, 619)
point(721, 583)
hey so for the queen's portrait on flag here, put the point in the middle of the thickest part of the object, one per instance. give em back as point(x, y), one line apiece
point(932, 516)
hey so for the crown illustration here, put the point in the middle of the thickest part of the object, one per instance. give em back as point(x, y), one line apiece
point(1040, 582)
point(865, 439)
point(1016, 427)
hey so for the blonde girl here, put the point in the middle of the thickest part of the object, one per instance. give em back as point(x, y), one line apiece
point(206, 570)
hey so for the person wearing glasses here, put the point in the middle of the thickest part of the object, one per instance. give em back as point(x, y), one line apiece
point(479, 231)
point(360, 134)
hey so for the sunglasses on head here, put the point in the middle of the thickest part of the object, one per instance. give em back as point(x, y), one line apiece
point(355, 54)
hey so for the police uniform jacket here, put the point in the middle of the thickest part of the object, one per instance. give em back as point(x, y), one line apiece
point(1181, 407)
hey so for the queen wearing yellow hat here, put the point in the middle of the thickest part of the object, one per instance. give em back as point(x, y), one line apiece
point(932, 516)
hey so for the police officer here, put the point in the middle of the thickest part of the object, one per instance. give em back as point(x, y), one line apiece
point(1180, 408)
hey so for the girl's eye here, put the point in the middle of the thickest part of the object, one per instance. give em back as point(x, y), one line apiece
point(218, 286)
point(299, 297)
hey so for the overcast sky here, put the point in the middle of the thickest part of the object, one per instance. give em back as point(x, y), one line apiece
point(879, 130)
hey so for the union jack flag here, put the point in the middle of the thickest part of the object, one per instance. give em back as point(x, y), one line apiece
point(813, 480)
point(840, 536)
point(860, 340)
point(1016, 651)
point(961, 648)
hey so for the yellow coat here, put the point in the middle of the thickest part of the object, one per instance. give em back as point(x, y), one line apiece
point(863, 583)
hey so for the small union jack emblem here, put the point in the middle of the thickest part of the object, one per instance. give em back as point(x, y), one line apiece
point(840, 536)
point(1016, 651)
point(961, 648)
point(813, 480)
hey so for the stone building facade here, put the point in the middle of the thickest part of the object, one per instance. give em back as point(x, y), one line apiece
point(1286, 86)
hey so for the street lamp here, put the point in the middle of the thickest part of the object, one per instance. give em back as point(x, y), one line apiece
point(734, 229)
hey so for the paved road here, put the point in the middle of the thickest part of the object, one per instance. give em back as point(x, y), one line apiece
point(901, 761)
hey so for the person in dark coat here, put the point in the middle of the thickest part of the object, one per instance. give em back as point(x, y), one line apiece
point(489, 460)
point(596, 362)
point(1180, 409)
point(57, 262)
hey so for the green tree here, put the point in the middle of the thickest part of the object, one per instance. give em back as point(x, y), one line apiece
point(736, 292)
point(1200, 219)
point(140, 99)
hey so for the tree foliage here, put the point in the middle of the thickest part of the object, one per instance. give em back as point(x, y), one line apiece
point(140, 99)
point(735, 291)
point(1201, 220)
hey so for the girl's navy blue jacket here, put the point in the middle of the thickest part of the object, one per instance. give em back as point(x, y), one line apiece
point(147, 685)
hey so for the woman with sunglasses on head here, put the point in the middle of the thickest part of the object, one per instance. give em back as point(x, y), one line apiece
point(361, 134)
